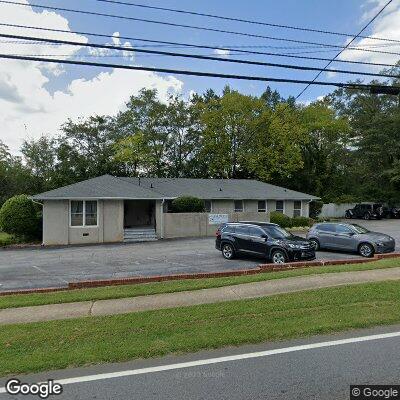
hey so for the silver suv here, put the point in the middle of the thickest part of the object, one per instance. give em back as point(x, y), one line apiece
point(349, 237)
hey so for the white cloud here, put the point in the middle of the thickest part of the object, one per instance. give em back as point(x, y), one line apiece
point(222, 52)
point(29, 109)
point(385, 26)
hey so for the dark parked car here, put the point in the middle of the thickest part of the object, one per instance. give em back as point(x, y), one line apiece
point(262, 239)
point(349, 237)
point(366, 211)
point(393, 212)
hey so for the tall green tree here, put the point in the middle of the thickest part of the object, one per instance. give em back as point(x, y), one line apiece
point(325, 153)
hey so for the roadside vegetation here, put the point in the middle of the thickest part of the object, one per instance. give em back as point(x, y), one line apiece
point(6, 239)
point(124, 291)
point(70, 343)
point(20, 221)
point(335, 148)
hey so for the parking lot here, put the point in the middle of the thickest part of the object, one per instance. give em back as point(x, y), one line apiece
point(54, 267)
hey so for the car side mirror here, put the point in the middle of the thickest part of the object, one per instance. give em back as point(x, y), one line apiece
point(351, 233)
point(264, 237)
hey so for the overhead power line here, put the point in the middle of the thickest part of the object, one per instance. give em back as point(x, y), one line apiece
point(348, 44)
point(195, 56)
point(128, 18)
point(191, 45)
point(198, 73)
point(235, 47)
point(247, 21)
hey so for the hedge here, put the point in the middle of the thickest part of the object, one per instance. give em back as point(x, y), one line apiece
point(286, 222)
point(187, 204)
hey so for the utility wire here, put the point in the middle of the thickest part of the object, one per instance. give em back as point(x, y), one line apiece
point(190, 45)
point(202, 28)
point(234, 47)
point(195, 56)
point(193, 73)
point(348, 44)
point(235, 19)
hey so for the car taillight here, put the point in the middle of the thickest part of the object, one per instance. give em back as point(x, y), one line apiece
point(218, 233)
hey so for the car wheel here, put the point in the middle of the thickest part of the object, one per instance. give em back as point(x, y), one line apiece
point(367, 216)
point(366, 250)
point(347, 215)
point(228, 251)
point(315, 244)
point(278, 257)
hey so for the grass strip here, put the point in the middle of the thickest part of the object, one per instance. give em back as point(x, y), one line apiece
point(117, 292)
point(70, 343)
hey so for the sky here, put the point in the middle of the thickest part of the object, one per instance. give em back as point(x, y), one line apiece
point(37, 98)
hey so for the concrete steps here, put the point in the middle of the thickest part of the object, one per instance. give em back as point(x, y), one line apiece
point(140, 234)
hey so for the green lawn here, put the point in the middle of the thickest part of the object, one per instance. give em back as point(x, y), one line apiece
point(60, 344)
point(116, 292)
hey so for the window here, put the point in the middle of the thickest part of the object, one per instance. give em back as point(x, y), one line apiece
point(242, 230)
point(208, 205)
point(297, 208)
point(76, 213)
point(228, 229)
point(359, 229)
point(83, 212)
point(343, 229)
point(276, 232)
point(262, 206)
point(91, 213)
point(238, 206)
point(280, 206)
point(256, 232)
point(329, 228)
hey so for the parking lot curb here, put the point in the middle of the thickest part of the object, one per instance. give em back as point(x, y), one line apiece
point(262, 268)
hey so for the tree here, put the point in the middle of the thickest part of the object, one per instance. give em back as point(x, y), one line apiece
point(274, 153)
point(15, 178)
point(325, 152)
point(145, 116)
point(87, 147)
point(182, 136)
point(229, 124)
point(374, 141)
point(40, 159)
point(19, 216)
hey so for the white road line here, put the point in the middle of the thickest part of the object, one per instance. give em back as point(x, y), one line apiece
point(39, 269)
point(218, 360)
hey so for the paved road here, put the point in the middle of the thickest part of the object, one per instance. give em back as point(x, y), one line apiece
point(316, 368)
point(31, 268)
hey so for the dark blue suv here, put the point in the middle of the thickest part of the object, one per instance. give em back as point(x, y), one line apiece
point(262, 239)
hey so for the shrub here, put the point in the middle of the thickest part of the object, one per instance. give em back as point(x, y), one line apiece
point(21, 217)
point(315, 208)
point(302, 221)
point(281, 219)
point(187, 204)
point(5, 239)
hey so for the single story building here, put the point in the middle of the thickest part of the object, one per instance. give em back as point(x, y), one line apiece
point(115, 209)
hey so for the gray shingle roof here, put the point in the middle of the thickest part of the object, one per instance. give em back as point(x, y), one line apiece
point(102, 187)
point(107, 186)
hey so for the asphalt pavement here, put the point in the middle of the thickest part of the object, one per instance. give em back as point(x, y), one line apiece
point(321, 367)
point(55, 267)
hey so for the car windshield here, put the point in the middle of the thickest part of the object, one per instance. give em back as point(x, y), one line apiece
point(359, 229)
point(276, 232)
